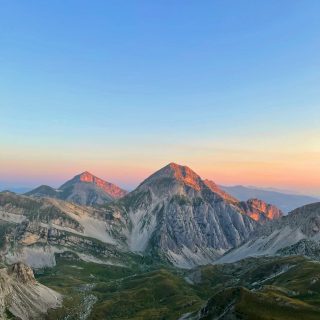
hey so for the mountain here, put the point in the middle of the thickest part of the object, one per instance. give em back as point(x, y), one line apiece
point(34, 230)
point(84, 189)
point(254, 208)
point(173, 214)
point(22, 296)
point(297, 233)
point(44, 191)
point(284, 201)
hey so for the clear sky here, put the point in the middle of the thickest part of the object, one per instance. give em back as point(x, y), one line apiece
point(121, 88)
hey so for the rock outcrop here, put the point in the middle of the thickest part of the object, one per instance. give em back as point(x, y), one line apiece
point(22, 296)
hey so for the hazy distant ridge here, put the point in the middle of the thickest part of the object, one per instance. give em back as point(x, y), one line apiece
point(284, 201)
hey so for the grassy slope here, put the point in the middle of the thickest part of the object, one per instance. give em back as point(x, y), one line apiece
point(146, 290)
point(280, 288)
point(150, 291)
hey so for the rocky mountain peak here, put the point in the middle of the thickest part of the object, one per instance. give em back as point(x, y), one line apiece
point(87, 177)
point(22, 272)
point(179, 173)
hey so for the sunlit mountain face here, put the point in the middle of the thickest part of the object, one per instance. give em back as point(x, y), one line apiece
point(85, 189)
point(109, 188)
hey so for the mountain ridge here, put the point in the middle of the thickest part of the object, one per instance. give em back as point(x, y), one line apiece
point(286, 202)
point(173, 214)
point(298, 231)
point(254, 208)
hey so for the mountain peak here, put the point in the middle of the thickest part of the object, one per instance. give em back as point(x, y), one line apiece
point(86, 176)
point(108, 187)
point(180, 173)
point(84, 189)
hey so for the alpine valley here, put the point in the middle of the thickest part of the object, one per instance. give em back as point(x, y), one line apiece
point(176, 247)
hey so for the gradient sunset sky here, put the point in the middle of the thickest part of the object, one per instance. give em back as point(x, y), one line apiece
point(121, 88)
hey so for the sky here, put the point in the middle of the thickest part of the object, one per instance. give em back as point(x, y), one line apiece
point(121, 88)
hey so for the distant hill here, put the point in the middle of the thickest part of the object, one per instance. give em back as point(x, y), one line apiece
point(284, 201)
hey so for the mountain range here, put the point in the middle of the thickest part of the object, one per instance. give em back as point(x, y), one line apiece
point(173, 214)
point(175, 230)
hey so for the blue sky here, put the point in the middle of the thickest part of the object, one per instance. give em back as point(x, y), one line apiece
point(126, 86)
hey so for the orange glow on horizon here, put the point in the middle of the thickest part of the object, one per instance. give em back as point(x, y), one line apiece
point(279, 165)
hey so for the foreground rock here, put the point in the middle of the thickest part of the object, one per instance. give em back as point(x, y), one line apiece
point(22, 296)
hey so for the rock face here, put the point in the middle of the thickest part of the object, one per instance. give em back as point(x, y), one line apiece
point(23, 296)
point(255, 208)
point(174, 214)
point(32, 230)
point(22, 273)
point(259, 210)
point(84, 189)
point(296, 233)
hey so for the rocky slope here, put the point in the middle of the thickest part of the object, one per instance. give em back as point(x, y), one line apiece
point(22, 296)
point(254, 208)
point(175, 215)
point(83, 189)
point(260, 210)
point(297, 233)
point(34, 229)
